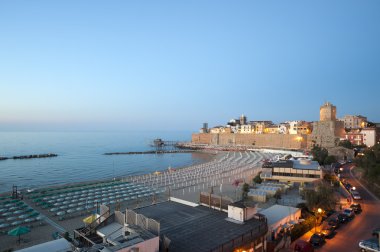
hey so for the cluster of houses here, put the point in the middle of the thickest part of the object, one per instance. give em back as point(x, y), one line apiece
point(357, 128)
point(242, 126)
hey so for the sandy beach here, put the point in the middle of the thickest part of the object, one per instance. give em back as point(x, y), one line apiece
point(62, 208)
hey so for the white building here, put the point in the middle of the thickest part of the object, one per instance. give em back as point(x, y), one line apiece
point(217, 130)
point(235, 129)
point(279, 216)
point(293, 126)
point(293, 171)
point(246, 129)
point(354, 122)
point(369, 136)
point(283, 128)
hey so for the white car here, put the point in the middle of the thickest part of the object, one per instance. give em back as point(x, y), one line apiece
point(356, 195)
point(369, 245)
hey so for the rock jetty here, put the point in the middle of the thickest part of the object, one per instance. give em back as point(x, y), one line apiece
point(149, 152)
point(30, 156)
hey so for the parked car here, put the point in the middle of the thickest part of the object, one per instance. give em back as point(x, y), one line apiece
point(333, 222)
point(356, 207)
point(303, 246)
point(317, 239)
point(356, 195)
point(328, 232)
point(349, 212)
point(343, 218)
point(330, 212)
point(369, 245)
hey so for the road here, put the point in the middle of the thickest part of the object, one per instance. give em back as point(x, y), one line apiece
point(348, 235)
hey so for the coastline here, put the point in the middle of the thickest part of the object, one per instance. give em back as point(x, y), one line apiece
point(211, 156)
point(62, 207)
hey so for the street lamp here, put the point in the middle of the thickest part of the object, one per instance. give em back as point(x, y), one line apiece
point(319, 211)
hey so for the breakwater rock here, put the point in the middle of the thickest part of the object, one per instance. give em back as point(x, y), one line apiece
point(30, 156)
point(149, 152)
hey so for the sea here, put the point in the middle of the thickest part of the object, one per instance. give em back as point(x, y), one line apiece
point(81, 156)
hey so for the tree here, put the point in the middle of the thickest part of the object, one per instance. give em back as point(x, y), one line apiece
point(245, 190)
point(257, 179)
point(300, 229)
point(346, 144)
point(319, 154)
point(370, 162)
point(323, 197)
point(277, 195)
point(329, 160)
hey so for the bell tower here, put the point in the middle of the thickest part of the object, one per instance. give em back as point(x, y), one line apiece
point(243, 120)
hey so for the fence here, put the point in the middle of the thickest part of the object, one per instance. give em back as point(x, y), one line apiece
point(215, 201)
point(145, 223)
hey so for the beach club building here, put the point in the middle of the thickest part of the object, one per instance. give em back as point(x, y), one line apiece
point(280, 217)
point(177, 225)
point(293, 171)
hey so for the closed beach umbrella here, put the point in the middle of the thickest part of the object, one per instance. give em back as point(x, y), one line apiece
point(80, 208)
point(61, 213)
point(23, 216)
point(11, 218)
point(18, 231)
point(15, 223)
point(4, 225)
point(34, 214)
point(29, 220)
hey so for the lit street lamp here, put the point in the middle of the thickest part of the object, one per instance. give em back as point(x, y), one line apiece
point(319, 211)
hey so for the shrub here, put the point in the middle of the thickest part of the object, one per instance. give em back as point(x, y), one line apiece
point(257, 179)
point(329, 160)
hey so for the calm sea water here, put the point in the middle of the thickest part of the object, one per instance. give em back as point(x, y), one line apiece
point(81, 156)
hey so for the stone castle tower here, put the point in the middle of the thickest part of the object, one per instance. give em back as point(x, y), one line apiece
point(327, 112)
point(327, 131)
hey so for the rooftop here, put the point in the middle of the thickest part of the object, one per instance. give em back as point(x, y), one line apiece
point(297, 164)
point(184, 224)
point(277, 212)
point(309, 165)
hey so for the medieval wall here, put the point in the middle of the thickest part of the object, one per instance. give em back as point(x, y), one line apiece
point(280, 141)
point(201, 138)
point(339, 129)
point(326, 134)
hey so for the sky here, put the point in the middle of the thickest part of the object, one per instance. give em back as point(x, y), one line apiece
point(172, 65)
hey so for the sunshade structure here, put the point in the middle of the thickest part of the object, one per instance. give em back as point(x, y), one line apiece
point(90, 219)
point(18, 231)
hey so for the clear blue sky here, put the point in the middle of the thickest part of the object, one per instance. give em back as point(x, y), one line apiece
point(167, 65)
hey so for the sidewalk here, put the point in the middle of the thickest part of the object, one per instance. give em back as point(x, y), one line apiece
point(343, 195)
